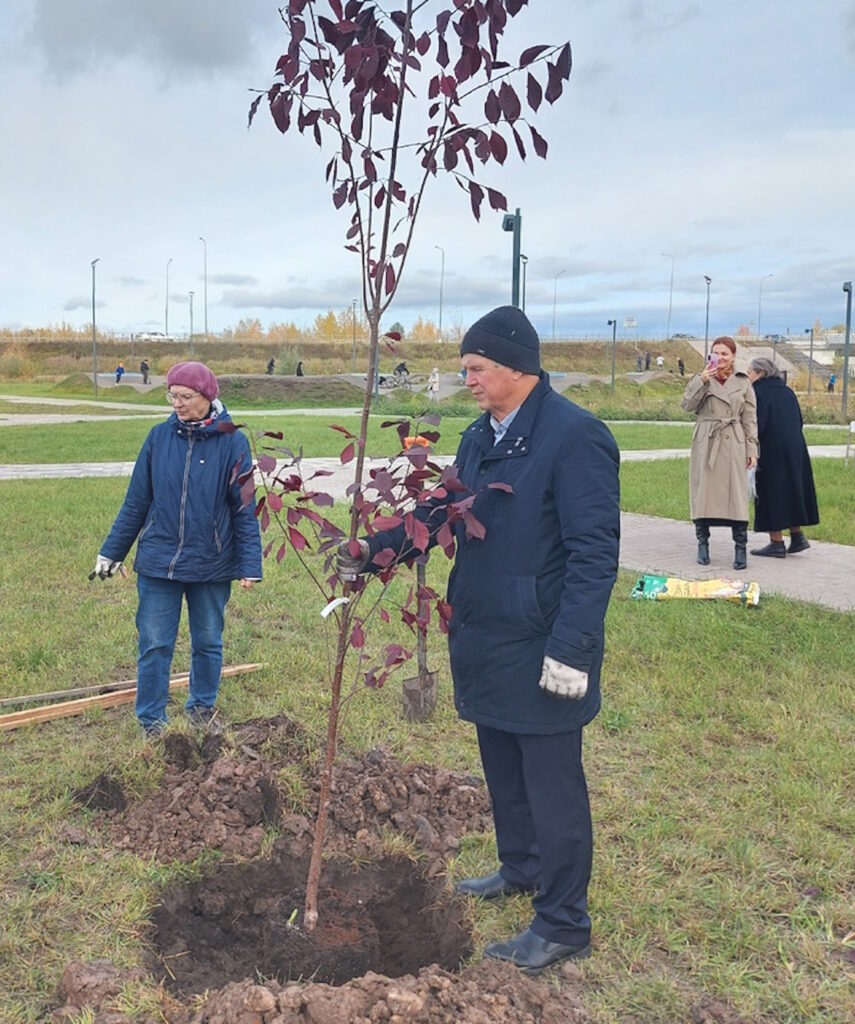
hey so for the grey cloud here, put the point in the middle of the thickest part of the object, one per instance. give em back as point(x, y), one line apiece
point(82, 302)
point(186, 37)
point(652, 18)
point(131, 282)
point(234, 279)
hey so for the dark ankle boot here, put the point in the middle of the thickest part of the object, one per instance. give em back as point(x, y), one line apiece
point(798, 542)
point(702, 533)
point(740, 542)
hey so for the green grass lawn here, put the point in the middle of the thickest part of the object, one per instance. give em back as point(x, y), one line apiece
point(720, 774)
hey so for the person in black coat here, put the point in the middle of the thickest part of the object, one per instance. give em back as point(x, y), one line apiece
point(526, 635)
point(785, 494)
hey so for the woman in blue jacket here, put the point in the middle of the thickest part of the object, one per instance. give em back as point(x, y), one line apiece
point(194, 536)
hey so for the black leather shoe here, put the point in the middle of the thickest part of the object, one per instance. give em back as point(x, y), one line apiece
point(798, 542)
point(774, 549)
point(532, 954)
point(490, 887)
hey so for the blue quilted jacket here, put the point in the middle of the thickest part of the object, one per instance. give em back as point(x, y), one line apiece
point(183, 506)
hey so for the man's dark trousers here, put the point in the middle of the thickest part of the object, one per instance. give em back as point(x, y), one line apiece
point(543, 825)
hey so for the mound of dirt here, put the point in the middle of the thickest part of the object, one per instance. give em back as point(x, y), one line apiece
point(293, 391)
point(219, 796)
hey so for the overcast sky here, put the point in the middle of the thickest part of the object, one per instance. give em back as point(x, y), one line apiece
point(720, 133)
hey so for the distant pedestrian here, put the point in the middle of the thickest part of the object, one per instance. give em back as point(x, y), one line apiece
point(681, 366)
point(724, 446)
point(144, 368)
point(646, 360)
point(639, 363)
point(433, 384)
point(660, 361)
point(120, 369)
point(786, 496)
point(299, 371)
point(832, 380)
point(271, 363)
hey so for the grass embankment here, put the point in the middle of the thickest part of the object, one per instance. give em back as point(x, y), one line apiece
point(719, 771)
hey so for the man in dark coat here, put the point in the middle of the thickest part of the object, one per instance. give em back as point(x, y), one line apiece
point(529, 600)
point(785, 493)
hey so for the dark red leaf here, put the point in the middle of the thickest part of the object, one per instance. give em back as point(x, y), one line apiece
point(357, 636)
point(531, 54)
point(500, 486)
point(565, 62)
point(539, 143)
point(423, 44)
point(492, 110)
point(274, 502)
point(347, 454)
point(445, 539)
point(476, 197)
point(384, 615)
point(342, 430)
point(384, 557)
point(519, 142)
point(497, 200)
point(555, 84)
point(498, 147)
point(534, 93)
point(390, 279)
point(280, 554)
point(266, 463)
point(297, 539)
point(394, 336)
point(509, 102)
point(253, 108)
point(474, 527)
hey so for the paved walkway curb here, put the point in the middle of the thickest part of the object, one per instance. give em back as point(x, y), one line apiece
point(823, 575)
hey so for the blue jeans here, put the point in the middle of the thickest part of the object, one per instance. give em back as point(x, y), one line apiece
point(158, 615)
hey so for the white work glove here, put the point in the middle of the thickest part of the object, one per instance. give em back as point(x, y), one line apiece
point(563, 680)
point(348, 566)
point(104, 568)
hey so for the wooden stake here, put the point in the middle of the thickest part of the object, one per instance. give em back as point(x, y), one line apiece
point(66, 709)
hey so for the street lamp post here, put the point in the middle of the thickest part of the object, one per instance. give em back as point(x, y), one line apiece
point(524, 261)
point(668, 256)
point(191, 325)
point(94, 334)
point(555, 298)
point(353, 324)
point(205, 280)
point(847, 287)
point(441, 282)
point(166, 307)
point(707, 323)
point(513, 222)
point(613, 325)
point(809, 330)
point(760, 304)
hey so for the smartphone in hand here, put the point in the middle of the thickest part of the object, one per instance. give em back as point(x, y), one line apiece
point(712, 361)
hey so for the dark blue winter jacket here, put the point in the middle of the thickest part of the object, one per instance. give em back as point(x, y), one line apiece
point(539, 582)
point(185, 507)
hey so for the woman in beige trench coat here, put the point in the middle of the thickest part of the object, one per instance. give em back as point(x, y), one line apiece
point(724, 448)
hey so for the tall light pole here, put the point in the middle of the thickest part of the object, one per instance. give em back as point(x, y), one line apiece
point(524, 261)
point(613, 325)
point(205, 280)
point(809, 330)
point(513, 222)
point(191, 325)
point(166, 307)
point(707, 325)
point(441, 282)
point(847, 287)
point(668, 256)
point(760, 304)
point(555, 298)
point(94, 334)
point(353, 323)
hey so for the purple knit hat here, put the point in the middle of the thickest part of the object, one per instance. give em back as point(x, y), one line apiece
point(196, 376)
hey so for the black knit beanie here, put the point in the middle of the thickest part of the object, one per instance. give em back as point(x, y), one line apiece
point(506, 336)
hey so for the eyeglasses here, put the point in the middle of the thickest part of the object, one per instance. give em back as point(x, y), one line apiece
point(177, 397)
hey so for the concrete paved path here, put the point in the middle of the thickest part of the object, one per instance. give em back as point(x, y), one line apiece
point(824, 575)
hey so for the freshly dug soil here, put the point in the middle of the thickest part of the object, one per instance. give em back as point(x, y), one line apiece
point(245, 920)
point(218, 795)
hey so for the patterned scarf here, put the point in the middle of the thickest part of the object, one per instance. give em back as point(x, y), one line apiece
point(721, 374)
